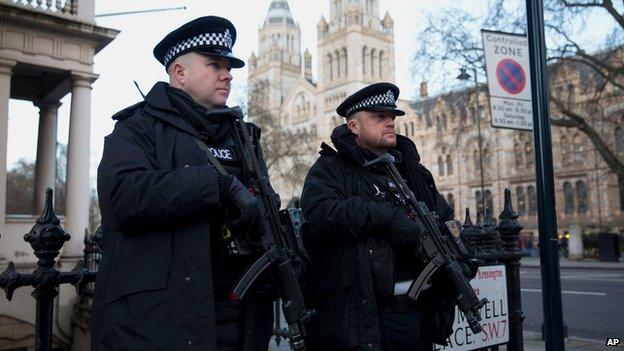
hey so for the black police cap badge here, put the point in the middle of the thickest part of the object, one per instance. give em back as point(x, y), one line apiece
point(210, 35)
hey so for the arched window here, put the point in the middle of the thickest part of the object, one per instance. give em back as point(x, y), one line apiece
point(364, 59)
point(345, 59)
point(565, 150)
point(475, 161)
point(449, 165)
point(518, 156)
point(440, 166)
point(331, 67)
point(578, 148)
point(412, 129)
point(451, 201)
point(521, 201)
point(530, 157)
point(487, 158)
point(532, 200)
point(619, 140)
point(479, 202)
point(568, 194)
point(373, 54)
point(488, 201)
point(381, 58)
point(581, 197)
point(338, 63)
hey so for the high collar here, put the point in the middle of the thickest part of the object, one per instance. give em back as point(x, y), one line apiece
point(159, 106)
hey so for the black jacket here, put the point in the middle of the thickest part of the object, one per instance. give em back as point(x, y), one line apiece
point(157, 192)
point(344, 221)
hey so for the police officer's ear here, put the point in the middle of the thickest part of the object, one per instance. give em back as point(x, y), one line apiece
point(177, 72)
point(353, 124)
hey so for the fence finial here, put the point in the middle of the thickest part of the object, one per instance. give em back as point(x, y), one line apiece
point(468, 221)
point(47, 236)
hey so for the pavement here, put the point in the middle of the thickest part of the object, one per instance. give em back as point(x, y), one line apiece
point(585, 263)
point(533, 342)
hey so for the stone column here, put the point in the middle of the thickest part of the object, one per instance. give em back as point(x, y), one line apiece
point(6, 69)
point(78, 152)
point(575, 242)
point(45, 165)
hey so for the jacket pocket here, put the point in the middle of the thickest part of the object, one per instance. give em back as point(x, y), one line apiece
point(140, 262)
point(382, 267)
point(132, 279)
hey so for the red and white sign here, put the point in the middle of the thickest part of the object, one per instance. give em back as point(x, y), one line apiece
point(509, 81)
point(491, 283)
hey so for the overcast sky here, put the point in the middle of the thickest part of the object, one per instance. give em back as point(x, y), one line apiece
point(129, 56)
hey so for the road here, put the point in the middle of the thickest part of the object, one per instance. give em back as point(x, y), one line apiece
point(592, 301)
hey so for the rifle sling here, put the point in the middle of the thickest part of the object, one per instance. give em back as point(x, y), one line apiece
point(213, 160)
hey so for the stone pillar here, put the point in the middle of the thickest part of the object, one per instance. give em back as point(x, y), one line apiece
point(6, 69)
point(78, 152)
point(575, 242)
point(45, 166)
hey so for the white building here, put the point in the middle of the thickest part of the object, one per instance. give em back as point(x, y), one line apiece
point(46, 52)
point(355, 48)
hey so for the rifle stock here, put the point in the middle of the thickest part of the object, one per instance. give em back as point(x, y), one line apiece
point(282, 246)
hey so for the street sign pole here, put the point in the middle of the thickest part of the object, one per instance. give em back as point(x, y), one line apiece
point(547, 219)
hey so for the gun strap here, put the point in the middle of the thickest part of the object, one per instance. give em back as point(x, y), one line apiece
point(248, 170)
point(213, 160)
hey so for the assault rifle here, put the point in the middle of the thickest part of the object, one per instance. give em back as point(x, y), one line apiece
point(441, 247)
point(281, 244)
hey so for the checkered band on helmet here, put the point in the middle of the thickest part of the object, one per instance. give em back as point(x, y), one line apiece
point(382, 99)
point(205, 39)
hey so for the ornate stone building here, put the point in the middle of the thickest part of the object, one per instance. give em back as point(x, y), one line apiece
point(46, 52)
point(356, 47)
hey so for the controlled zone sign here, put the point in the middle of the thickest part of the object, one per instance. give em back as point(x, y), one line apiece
point(491, 283)
point(509, 81)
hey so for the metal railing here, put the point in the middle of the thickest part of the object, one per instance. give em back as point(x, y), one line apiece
point(46, 238)
point(486, 240)
point(498, 243)
point(491, 243)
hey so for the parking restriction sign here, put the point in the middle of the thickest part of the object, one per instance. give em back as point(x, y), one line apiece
point(509, 81)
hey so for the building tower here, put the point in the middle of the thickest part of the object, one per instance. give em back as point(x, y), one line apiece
point(355, 48)
point(276, 68)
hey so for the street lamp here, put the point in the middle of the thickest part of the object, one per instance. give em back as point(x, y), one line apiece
point(465, 77)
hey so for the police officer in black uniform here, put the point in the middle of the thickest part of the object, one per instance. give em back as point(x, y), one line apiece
point(363, 245)
point(171, 194)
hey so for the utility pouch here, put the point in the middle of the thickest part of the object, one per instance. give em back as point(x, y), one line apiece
point(382, 267)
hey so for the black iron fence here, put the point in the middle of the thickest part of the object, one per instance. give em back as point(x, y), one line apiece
point(46, 238)
point(487, 240)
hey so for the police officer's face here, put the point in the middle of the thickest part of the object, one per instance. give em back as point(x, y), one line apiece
point(205, 78)
point(374, 130)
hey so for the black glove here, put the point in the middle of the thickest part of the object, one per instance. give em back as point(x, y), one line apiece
point(470, 266)
point(404, 231)
point(236, 196)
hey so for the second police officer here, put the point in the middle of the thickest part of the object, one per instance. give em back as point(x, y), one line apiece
point(362, 243)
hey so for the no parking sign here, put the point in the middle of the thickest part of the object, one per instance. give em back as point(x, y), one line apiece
point(509, 81)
